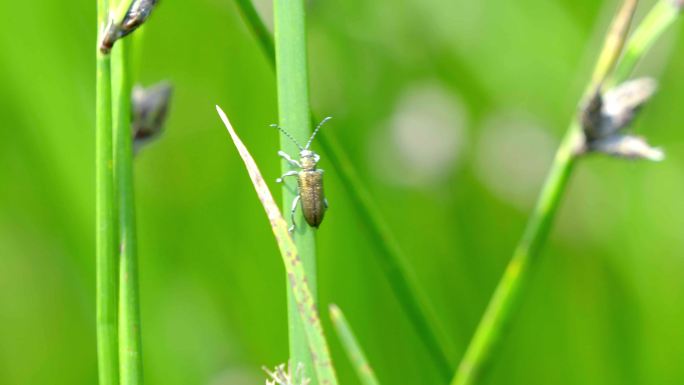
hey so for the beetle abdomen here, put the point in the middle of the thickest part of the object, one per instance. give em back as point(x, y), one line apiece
point(312, 197)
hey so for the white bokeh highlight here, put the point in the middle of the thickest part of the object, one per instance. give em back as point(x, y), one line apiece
point(421, 143)
point(513, 155)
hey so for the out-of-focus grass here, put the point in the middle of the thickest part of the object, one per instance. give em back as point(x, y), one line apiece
point(352, 347)
point(604, 310)
point(503, 305)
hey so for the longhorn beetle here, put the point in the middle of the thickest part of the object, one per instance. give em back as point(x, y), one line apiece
point(309, 180)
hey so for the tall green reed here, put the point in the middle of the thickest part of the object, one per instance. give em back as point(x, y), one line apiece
point(130, 349)
point(352, 347)
point(293, 116)
point(120, 358)
point(107, 272)
point(388, 253)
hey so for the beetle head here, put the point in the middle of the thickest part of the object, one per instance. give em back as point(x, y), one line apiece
point(308, 159)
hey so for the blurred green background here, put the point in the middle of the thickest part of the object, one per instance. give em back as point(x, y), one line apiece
point(451, 111)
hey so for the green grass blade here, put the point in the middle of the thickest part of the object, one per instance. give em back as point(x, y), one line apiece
point(352, 347)
point(388, 253)
point(503, 304)
point(130, 345)
point(612, 47)
point(661, 16)
point(258, 28)
point(293, 112)
point(119, 9)
point(394, 265)
point(297, 279)
point(106, 259)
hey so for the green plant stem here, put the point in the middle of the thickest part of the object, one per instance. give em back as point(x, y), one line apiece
point(258, 28)
point(297, 279)
point(130, 349)
point(506, 297)
point(119, 9)
point(352, 347)
point(392, 261)
point(106, 258)
point(388, 253)
point(293, 111)
point(507, 294)
point(612, 46)
point(662, 15)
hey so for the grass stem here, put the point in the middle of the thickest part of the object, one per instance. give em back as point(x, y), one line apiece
point(352, 347)
point(258, 28)
point(293, 112)
point(130, 349)
point(504, 302)
point(105, 213)
point(392, 261)
point(663, 14)
point(389, 255)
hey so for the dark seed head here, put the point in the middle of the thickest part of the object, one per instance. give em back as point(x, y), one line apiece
point(150, 108)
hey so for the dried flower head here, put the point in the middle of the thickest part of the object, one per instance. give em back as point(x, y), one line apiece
point(136, 15)
point(284, 376)
point(606, 115)
point(150, 108)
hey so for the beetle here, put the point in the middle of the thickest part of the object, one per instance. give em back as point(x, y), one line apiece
point(309, 180)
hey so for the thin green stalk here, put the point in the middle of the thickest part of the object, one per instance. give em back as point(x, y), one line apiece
point(352, 347)
point(613, 45)
point(660, 18)
point(106, 259)
point(506, 297)
point(293, 112)
point(504, 302)
point(130, 349)
point(258, 28)
point(297, 280)
point(388, 253)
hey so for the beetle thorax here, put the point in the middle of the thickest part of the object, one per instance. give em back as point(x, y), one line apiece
point(308, 159)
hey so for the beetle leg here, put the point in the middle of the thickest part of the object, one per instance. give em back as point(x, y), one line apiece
point(289, 173)
point(289, 160)
point(325, 202)
point(292, 212)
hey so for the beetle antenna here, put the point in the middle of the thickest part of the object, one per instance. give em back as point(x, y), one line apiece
point(316, 132)
point(289, 136)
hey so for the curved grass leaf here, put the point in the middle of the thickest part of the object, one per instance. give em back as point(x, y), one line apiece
point(296, 276)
